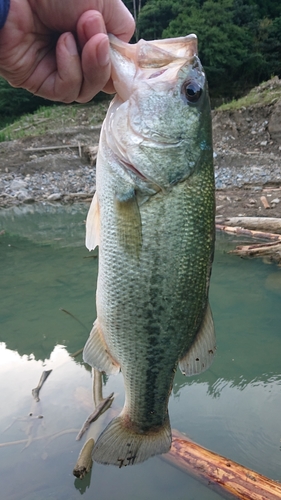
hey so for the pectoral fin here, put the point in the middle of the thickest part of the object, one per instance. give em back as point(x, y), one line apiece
point(93, 225)
point(96, 352)
point(201, 354)
point(129, 225)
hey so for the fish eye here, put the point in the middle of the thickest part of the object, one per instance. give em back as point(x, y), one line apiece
point(192, 91)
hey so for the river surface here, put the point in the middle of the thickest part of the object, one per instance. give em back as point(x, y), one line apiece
point(233, 409)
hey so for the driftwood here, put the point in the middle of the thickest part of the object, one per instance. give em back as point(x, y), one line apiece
point(270, 224)
point(101, 408)
point(36, 390)
point(89, 151)
point(84, 462)
point(248, 232)
point(265, 202)
point(50, 148)
point(260, 250)
point(226, 477)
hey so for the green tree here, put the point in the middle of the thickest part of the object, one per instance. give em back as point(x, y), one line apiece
point(269, 44)
point(224, 47)
point(239, 40)
point(14, 102)
point(269, 8)
point(155, 16)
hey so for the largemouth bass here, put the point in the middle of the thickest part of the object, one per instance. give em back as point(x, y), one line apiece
point(153, 219)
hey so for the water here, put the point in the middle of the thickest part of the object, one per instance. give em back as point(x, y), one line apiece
point(233, 409)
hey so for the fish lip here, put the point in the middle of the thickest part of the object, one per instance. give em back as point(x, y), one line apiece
point(147, 60)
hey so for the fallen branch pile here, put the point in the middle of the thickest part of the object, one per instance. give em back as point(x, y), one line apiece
point(250, 225)
point(268, 224)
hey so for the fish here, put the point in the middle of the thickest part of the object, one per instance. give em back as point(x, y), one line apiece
point(152, 217)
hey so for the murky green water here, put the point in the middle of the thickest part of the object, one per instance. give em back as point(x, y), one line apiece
point(234, 408)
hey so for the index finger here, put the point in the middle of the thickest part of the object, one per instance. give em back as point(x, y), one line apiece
point(118, 20)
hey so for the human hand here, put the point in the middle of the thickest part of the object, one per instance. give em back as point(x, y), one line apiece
point(59, 49)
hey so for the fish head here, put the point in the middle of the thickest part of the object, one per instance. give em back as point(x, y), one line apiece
point(160, 121)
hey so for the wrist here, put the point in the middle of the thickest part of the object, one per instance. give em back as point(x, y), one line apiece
point(4, 9)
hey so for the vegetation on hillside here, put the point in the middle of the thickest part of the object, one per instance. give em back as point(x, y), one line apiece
point(55, 118)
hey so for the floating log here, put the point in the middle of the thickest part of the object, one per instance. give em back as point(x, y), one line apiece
point(259, 250)
point(228, 478)
point(270, 224)
point(248, 232)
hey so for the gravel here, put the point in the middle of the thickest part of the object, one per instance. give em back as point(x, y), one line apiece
point(80, 183)
point(66, 186)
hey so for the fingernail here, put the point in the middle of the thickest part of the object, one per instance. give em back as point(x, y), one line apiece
point(103, 52)
point(71, 44)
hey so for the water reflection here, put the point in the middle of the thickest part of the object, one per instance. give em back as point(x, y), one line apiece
point(233, 408)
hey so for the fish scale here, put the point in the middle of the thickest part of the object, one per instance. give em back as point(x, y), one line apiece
point(155, 232)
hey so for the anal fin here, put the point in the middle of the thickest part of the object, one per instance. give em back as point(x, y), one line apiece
point(201, 354)
point(96, 352)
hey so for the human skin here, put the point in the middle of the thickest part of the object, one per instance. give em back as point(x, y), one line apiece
point(60, 50)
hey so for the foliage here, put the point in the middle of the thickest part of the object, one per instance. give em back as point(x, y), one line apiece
point(54, 119)
point(265, 94)
point(14, 102)
point(239, 40)
point(155, 16)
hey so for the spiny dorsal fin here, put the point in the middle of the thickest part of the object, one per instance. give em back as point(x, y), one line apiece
point(96, 352)
point(93, 225)
point(201, 354)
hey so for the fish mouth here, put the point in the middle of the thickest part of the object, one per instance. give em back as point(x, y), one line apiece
point(148, 60)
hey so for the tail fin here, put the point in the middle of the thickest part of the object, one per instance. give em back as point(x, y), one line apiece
point(121, 444)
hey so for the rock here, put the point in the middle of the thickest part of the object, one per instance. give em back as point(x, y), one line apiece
point(18, 184)
point(22, 195)
point(29, 199)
